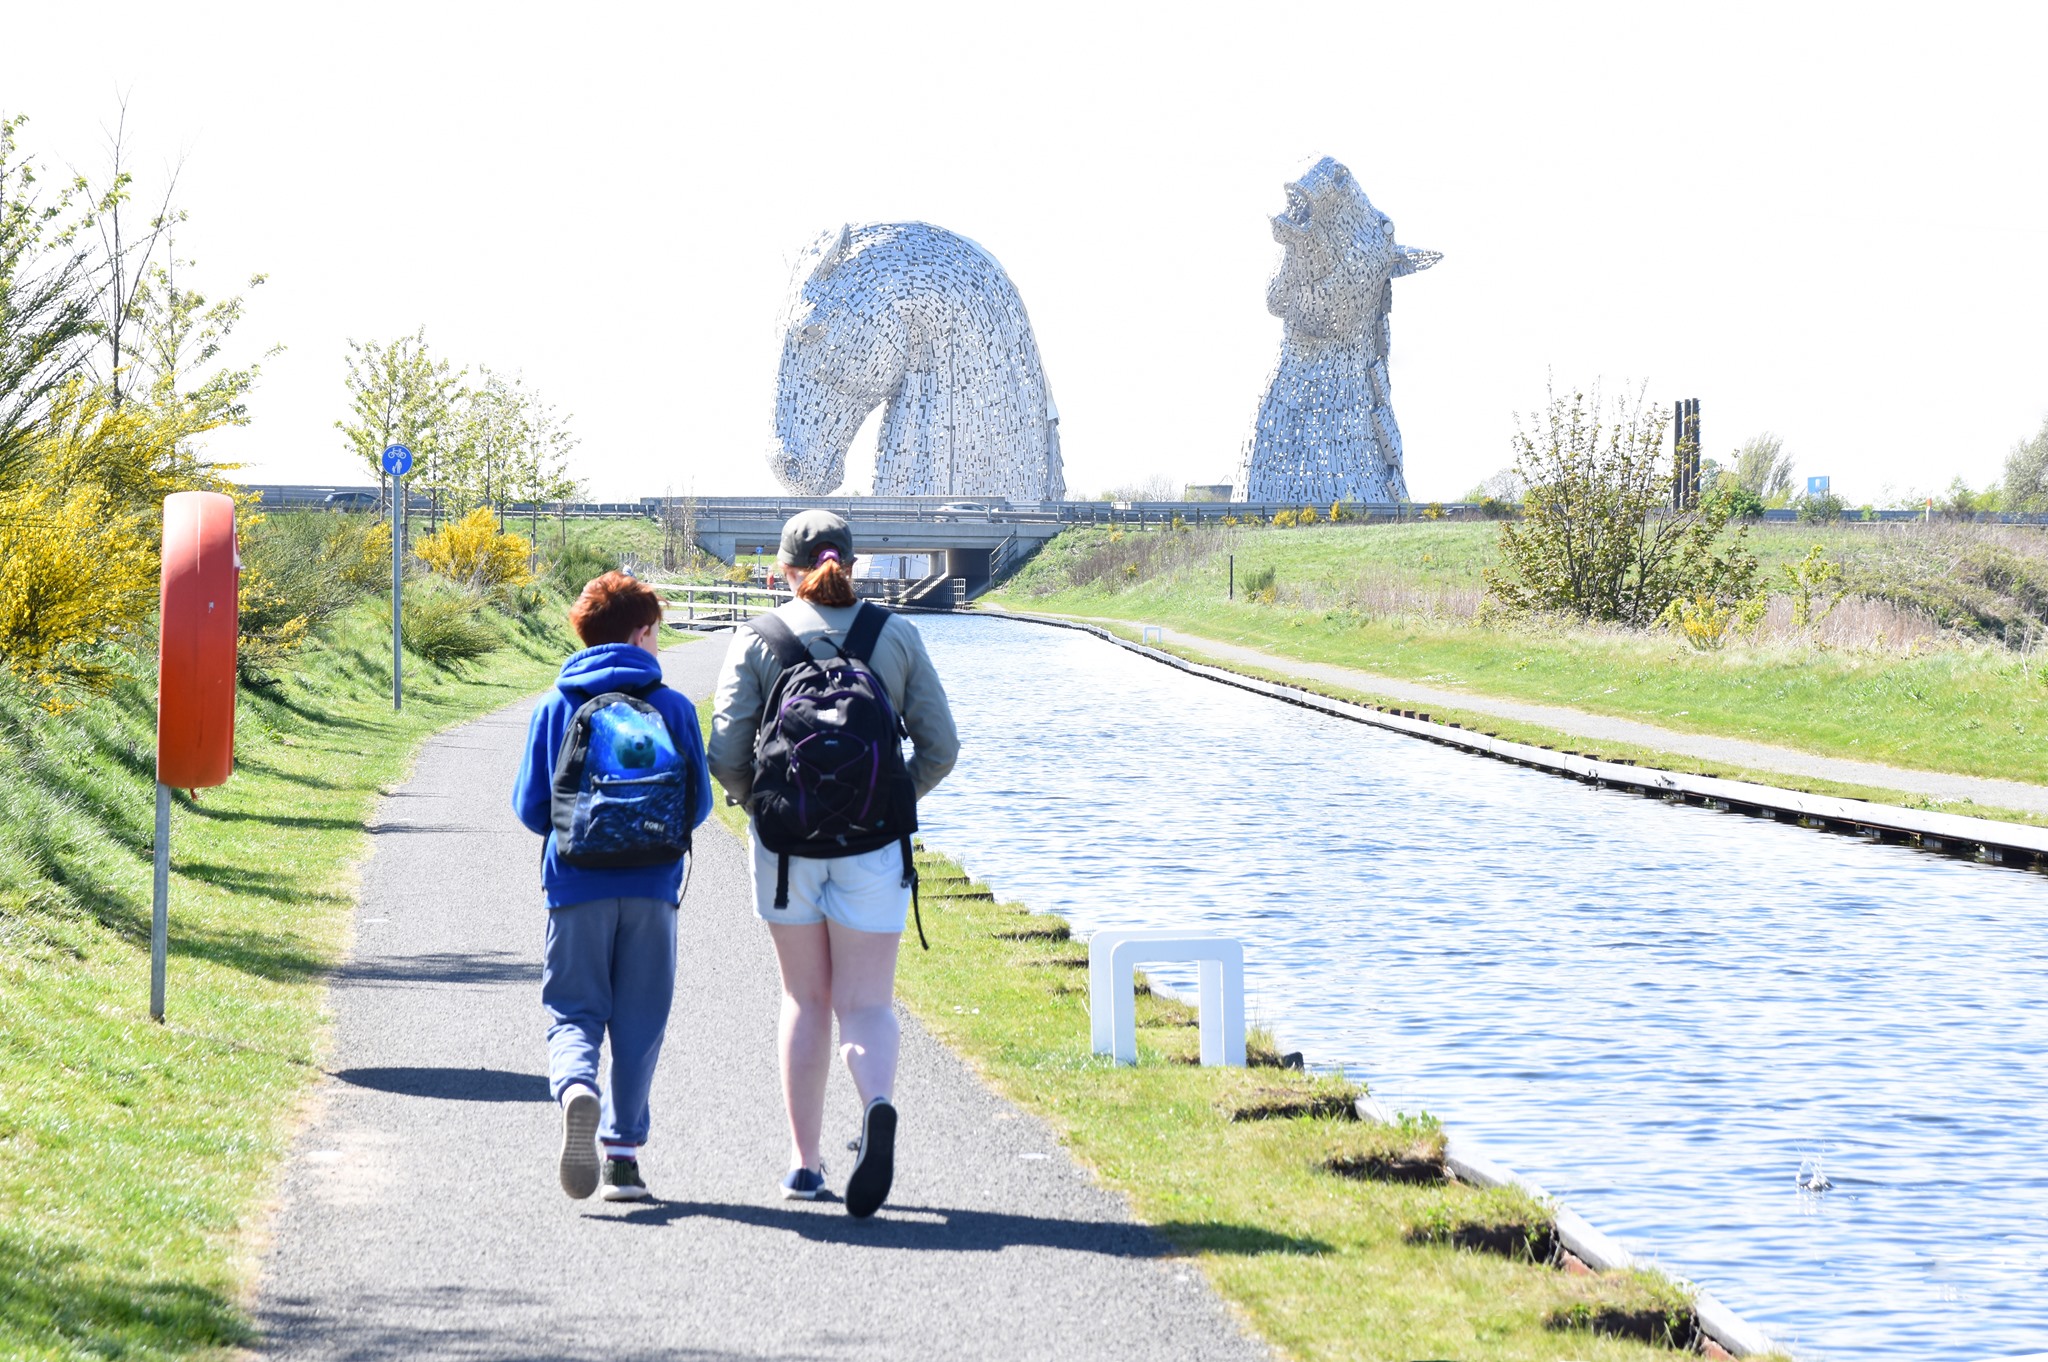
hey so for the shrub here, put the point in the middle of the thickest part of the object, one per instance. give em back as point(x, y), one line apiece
point(1822, 508)
point(1599, 538)
point(1741, 503)
point(472, 552)
point(571, 569)
point(360, 552)
point(76, 572)
point(1283, 519)
point(1706, 622)
point(1336, 513)
point(1259, 584)
point(1305, 516)
point(1807, 579)
point(444, 626)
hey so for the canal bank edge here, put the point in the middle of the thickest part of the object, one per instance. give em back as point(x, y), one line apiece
point(1984, 839)
point(1585, 1242)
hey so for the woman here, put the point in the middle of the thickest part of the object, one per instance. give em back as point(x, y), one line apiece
point(836, 918)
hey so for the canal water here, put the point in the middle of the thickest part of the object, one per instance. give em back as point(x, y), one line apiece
point(1671, 1018)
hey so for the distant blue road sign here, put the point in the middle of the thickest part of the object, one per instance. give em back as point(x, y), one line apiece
point(398, 461)
point(1815, 486)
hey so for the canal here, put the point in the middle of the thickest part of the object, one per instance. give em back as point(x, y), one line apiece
point(1803, 1070)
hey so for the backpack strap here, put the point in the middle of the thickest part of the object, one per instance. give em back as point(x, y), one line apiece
point(789, 650)
point(910, 880)
point(864, 632)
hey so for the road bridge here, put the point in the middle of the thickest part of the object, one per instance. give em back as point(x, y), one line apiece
point(975, 552)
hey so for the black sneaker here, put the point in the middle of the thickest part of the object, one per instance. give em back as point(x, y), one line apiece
point(579, 1144)
point(622, 1180)
point(867, 1186)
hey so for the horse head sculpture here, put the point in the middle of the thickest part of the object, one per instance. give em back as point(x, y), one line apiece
point(1325, 430)
point(926, 321)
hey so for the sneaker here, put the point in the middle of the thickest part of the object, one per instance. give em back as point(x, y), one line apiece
point(622, 1181)
point(867, 1186)
point(579, 1144)
point(804, 1184)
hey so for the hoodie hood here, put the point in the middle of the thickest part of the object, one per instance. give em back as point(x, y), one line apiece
point(607, 667)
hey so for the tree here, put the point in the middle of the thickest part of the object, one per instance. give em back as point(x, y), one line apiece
point(2026, 474)
point(127, 249)
point(179, 332)
point(1599, 538)
point(497, 430)
point(46, 298)
point(538, 470)
point(400, 394)
point(1763, 467)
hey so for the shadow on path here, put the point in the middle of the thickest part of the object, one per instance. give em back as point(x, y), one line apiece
point(450, 1084)
point(442, 967)
point(932, 1228)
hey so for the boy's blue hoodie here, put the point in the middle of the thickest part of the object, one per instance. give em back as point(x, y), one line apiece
point(607, 667)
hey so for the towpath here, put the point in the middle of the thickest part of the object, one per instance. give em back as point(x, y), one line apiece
point(419, 1215)
point(1981, 790)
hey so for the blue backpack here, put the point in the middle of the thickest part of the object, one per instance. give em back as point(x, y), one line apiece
point(622, 792)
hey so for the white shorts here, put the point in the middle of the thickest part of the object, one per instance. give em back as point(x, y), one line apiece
point(864, 892)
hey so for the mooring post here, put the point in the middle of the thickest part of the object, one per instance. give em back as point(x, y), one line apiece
point(160, 908)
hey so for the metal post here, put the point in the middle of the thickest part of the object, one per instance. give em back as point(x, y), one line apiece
point(397, 577)
point(160, 911)
point(1233, 577)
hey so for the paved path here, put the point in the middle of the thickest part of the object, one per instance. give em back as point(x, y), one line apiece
point(420, 1217)
point(1756, 756)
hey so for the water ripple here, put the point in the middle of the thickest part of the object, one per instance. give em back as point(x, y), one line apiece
point(1671, 1017)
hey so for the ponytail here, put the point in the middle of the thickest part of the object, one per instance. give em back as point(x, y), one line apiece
point(828, 583)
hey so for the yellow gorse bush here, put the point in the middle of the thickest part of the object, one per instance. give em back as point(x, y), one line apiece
point(75, 572)
point(472, 551)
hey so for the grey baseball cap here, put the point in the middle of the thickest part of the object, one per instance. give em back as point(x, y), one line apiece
point(807, 532)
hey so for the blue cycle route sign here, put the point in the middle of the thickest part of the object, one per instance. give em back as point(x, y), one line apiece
point(397, 461)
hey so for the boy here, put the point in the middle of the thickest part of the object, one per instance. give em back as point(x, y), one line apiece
point(609, 964)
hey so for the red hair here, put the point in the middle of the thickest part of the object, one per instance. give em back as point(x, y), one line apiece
point(613, 608)
point(828, 582)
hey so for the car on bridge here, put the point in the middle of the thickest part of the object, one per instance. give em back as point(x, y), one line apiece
point(351, 501)
point(963, 510)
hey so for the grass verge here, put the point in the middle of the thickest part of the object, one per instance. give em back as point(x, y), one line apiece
point(134, 1157)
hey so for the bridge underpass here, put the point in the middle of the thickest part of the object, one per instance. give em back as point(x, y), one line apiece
point(977, 553)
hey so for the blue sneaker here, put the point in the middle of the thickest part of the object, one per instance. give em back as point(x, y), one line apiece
point(804, 1184)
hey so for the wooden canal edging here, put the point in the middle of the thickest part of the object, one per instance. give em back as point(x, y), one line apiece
point(1983, 839)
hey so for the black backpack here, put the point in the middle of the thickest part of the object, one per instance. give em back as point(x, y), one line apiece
point(622, 793)
point(829, 777)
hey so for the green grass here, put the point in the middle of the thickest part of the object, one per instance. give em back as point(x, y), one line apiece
point(1966, 708)
point(134, 1158)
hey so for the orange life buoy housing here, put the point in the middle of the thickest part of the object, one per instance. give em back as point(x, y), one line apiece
point(195, 695)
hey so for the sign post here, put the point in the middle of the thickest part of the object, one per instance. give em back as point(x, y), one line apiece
point(195, 698)
point(397, 462)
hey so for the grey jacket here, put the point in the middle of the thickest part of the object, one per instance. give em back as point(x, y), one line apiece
point(900, 663)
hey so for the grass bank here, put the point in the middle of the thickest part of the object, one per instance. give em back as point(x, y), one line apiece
point(134, 1158)
point(1337, 1238)
point(1879, 680)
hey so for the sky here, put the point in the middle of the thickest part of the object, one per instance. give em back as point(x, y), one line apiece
point(1828, 222)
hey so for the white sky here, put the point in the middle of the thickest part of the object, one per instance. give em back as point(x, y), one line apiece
point(1826, 221)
